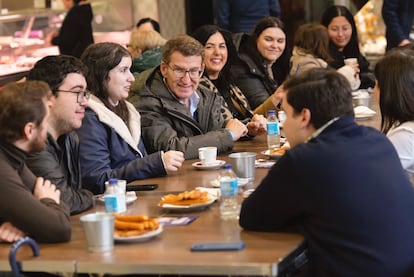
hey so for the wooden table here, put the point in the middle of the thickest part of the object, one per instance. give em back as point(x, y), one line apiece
point(169, 253)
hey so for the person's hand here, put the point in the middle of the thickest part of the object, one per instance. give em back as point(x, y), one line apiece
point(404, 42)
point(278, 95)
point(45, 189)
point(237, 128)
point(257, 125)
point(9, 233)
point(49, 37)
point(173, 160)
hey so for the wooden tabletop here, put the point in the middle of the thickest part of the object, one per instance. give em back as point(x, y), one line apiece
point(169, 252)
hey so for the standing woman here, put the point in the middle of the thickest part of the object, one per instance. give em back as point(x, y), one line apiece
point(394, 92)
point(110, 137)
point(344, 42)
point(263, 62)
point(76, 31)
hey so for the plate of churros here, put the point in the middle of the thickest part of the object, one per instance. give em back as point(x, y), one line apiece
point(194, 200)
point(135, 228)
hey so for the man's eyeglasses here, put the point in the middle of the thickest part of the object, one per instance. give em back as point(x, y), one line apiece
point(195, 73)
point(81, 95)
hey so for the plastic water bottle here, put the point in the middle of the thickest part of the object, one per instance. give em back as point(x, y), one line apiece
point(114, 198)
point(273, 130)
point(229, 204)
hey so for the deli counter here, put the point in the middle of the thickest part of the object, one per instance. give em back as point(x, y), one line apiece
point(22, 40)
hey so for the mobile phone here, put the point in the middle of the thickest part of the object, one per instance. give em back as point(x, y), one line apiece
point(218, 246)
point(141, 187)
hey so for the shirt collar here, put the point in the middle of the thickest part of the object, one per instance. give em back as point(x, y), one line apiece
point(321, 129)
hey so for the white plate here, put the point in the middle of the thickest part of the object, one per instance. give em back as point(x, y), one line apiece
point(189, 208)
point(272, 156)
point(216, 165)
point(140, 238)
point(363, 116)
point(130, 197)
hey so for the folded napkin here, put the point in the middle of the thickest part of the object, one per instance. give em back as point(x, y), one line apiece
point(363, 110)
point(262, 163)
point(212, 192)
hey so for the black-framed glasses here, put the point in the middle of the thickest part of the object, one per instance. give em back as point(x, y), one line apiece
point(81, 95)
point(194, 73)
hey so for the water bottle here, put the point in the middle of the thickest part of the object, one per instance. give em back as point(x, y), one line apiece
point(273, 131)
point(114, 198)
point(229, 204)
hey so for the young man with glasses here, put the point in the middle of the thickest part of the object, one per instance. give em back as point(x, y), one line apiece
point(59, 162)
point(177, 113)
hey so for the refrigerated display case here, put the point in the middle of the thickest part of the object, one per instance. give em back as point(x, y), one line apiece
point(22, 40)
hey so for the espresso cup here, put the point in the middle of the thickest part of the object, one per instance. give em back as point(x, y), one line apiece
point(207, 155)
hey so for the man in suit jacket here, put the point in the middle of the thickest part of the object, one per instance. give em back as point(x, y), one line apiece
point(341, 183)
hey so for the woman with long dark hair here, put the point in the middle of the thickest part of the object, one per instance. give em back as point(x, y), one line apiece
point(263, 60)
point(344, 43)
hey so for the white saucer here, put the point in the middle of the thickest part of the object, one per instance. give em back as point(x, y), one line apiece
point(216, 165)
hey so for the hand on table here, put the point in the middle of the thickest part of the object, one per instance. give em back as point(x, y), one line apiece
point(237, 128)
point(9, 233)
point(257, 125)
point(172, 160)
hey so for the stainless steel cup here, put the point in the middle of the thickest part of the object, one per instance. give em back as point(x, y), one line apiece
point(243, 164)
point(99, 231)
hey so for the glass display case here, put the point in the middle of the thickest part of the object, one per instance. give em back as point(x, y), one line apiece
point(22, 40)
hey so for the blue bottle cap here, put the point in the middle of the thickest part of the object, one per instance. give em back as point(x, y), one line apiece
point(227, 166)
point(113, 181)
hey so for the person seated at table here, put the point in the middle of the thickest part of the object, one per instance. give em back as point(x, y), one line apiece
point(263, 62)
point(145, 47)
point(29, 205)
point(177, 113)
point(219, 51)
point(344, 42)
point(341, 183)
point(59, 162)
point(110, 136)
point(311, 50)
point(394, 93)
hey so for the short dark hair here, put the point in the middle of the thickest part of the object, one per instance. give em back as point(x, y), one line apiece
point(54, 69)
point(21, 103)
point(154, 23)
point(184, 44)
point(325, 92)
point(395, 76)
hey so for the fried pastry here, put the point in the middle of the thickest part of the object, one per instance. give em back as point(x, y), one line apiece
point(186, 198)
point(134, 225)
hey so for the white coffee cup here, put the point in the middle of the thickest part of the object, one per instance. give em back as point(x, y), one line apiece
point(207, 155)
point(351, 61)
